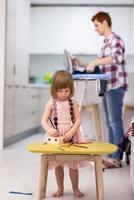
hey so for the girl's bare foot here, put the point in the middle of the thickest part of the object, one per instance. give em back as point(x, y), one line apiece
point(58, 193)
point(78, 193)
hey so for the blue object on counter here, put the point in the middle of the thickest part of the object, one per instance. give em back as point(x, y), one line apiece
point(23, 193)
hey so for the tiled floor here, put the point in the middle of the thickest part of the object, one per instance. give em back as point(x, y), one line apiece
point(19, 171)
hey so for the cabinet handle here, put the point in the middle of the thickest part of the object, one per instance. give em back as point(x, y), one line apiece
point(14, 70)
point(34, 96)
point(33, 112)
point(9, 86)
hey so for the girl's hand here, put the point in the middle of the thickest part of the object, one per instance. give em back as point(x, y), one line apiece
point(54, 133)
point(68, 137)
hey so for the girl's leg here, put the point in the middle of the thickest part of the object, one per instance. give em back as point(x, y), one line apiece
point(74, 176)
point(59, 174)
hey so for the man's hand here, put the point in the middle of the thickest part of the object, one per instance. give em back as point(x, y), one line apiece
point(91, 66)
point(76, 62)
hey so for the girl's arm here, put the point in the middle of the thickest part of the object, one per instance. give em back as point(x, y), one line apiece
point(45, 120)
point(68, 136)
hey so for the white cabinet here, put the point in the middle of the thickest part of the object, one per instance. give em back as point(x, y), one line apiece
point(121, 23)
point(24, 108)
point(44, 97)
point(29, 107)
point(17, 42)
point(63, 28)
point(71, 28)
point(132, 31)
point(10, 43)
point(21, 110)
point(9, 111)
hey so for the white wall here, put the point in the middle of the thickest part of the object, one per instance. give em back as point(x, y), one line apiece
point(2, 67)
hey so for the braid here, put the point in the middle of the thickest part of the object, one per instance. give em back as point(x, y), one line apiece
point(71, 110)
point(55, 118)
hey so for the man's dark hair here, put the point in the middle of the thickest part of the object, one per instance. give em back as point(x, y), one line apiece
point(102, 16)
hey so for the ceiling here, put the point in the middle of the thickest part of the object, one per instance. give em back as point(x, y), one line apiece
point(83, 2)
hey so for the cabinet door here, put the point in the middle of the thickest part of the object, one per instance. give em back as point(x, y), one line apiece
point(9, 111)
point(26, 109)
point(44, 97)
point(17, 42)
point(10, 43)
point(132, 31)
point(73, 29)
point(121, 23)
point(22, 44)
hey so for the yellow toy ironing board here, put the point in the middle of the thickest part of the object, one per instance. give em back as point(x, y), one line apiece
point(93, 148)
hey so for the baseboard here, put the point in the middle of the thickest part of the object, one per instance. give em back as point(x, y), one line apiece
point(20, 136)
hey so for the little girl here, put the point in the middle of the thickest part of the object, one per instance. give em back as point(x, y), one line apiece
point(64, 113)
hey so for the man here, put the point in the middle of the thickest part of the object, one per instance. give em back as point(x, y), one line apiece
point(112, 62)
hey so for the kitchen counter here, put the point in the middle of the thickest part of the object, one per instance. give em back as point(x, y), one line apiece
point(30, 85)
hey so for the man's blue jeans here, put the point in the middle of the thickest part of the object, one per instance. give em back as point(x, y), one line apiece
point(113, 104)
